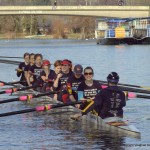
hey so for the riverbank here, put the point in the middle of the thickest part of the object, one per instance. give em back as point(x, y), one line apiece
point(43, 36)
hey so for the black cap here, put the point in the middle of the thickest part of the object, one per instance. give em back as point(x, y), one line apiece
point(78, 69)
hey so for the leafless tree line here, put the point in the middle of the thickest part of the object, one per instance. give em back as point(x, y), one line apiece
point(59, 27)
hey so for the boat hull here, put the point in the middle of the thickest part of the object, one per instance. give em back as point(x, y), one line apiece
point(103, 124)
point(118, 41)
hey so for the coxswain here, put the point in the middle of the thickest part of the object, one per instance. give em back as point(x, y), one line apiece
point(35, 70)
point(20, 69)
point(109, 102)
point(74, 81)
point(60, 83)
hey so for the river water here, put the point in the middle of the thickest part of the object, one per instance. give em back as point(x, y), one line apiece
point(54, 132)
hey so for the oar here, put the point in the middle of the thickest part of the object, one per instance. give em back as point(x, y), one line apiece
point(130, 85)
point(130, 89)
point(27, 97)
point(12, 90)
point(133, 95)
point(9, 57)
point(9, 62)
point(39, 108)
point(3, 83)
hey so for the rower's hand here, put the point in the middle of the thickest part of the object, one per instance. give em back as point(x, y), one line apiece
point(30, 84)
point(59, 75)
point(18, 70)
point(77, 106)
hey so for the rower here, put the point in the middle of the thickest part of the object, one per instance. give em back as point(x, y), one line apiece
point(57, 67)
point(109, 102)
point(89, 88)
point(35, 70)
point(20, 70)
point(31, 60)
point(74, 81)
point(60, 82)
point(46, 77)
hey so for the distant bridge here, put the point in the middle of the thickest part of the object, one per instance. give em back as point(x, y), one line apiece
point(95, 11)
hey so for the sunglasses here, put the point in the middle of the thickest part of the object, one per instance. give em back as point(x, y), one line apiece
point(88, 73)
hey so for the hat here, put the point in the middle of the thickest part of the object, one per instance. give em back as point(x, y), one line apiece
point(78, 69)
point(46, 63)
point(113, 77)
point(65, 62)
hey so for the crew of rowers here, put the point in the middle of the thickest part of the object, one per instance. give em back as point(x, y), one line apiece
point(73, 84)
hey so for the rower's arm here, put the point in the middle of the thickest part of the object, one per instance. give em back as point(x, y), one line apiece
point(57, 81)
point(26, 74)
point(19, 70)
point(28, 78)
point(44, 78)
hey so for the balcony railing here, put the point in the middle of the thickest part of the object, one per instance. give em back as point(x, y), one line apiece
point(75, 2)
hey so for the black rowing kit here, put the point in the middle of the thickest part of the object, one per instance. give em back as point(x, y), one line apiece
point(109, 102)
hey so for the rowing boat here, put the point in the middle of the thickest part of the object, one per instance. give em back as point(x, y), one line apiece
point(114, 124)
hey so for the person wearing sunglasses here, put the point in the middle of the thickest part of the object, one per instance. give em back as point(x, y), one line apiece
point(60, 83)
point(109, 102)
point(74, 81)
point(88, 89)
point(21, 67)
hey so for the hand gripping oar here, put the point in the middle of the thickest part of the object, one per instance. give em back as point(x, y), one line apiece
point(12, 90)
point(130, 89)
point(2, 83)
point(39, 108)
point(130, 85)
point(27, 97)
